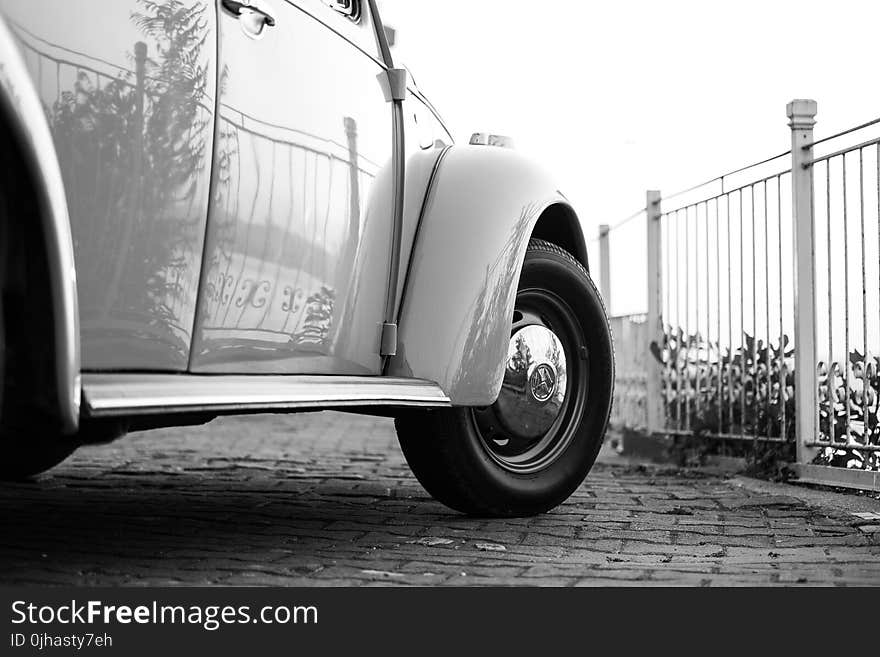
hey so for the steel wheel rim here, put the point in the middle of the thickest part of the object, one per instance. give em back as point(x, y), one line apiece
point(523, 450)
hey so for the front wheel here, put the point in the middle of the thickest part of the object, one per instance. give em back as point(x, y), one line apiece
point(532, 448)
point(24, 455)
point(27, 448)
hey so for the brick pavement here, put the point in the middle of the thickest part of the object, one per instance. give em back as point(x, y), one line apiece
point(327, 499)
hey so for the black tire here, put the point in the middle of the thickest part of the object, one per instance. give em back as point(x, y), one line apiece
point(26, 448)
point(24, 454)
point(4, 240)
point(457, 454)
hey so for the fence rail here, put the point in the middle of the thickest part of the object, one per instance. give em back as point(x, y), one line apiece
point(763, 312)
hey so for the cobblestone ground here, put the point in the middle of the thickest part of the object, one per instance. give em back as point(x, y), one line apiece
point(327, 499)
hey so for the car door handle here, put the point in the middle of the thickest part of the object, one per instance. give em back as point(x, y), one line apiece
point(254, 14)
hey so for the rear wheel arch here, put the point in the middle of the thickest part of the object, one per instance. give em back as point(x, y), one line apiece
point(38, 227)
point(29, 316)
point(30, 424)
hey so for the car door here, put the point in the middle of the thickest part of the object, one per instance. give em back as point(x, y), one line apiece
point(297, 253)
point(128, 91)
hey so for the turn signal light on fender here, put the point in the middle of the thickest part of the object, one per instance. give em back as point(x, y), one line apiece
point(484, 139)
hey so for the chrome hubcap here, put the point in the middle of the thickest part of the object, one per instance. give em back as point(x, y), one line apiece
point(534, 383)
point(543, 393)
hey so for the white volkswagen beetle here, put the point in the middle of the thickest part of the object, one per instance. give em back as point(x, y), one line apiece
point(237, 206)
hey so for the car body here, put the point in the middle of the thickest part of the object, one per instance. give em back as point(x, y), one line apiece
point(239, 206)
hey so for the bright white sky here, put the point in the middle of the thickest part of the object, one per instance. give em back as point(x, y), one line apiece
point(620, 96)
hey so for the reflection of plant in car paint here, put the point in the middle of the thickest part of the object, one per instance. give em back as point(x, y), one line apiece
point(318, 319)
point(499, 282)
point(145, 135)
point(749, 391)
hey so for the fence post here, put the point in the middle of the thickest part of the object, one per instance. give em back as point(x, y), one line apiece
point(802, 118)
point(654, 332)
point(605, 265)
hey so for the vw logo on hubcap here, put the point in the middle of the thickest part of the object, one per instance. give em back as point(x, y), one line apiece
point(542, 382)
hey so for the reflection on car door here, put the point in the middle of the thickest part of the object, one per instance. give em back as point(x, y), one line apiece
point(297, 251)
point(128, 91)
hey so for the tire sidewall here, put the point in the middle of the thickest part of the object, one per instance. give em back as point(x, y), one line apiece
point(529, 493)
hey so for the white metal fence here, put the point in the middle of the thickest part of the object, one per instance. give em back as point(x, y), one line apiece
point(763, 306)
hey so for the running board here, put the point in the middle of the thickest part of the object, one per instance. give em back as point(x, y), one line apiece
point(109, 395)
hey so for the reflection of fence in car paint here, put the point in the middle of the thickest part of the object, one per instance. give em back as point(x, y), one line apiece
point(246, 288)
point(140, 211)
point(277, 264)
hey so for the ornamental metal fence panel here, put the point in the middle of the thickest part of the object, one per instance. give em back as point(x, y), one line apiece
point(763, 306)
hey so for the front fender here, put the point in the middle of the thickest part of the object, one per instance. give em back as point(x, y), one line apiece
point(23, 114)
point(458, 301)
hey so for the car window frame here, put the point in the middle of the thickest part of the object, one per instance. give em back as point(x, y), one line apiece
point(333, 21)
point(360, 34)
point(420, 98)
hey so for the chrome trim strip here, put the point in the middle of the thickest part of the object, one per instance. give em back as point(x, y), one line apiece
point(399, 191)
point(146, 394)
point(20, 104)
point(396, 95)
point(381, 36)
